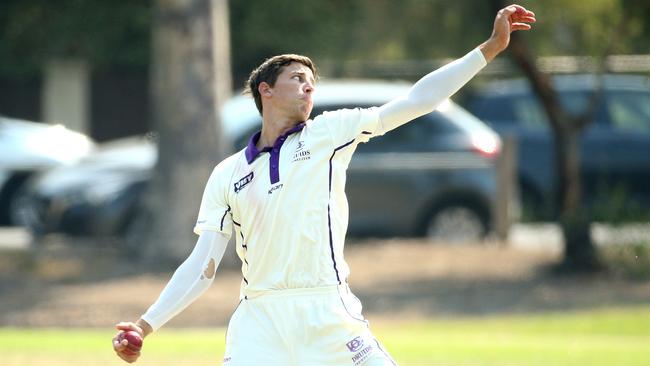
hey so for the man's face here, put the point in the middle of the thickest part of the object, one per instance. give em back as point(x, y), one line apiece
point(292, 92)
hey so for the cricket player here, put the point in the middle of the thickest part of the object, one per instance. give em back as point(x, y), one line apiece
point(283, 196)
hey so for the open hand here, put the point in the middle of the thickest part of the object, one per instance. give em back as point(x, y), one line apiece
point(509, 19)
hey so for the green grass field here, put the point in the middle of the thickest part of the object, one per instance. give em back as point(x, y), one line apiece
point(617, 336)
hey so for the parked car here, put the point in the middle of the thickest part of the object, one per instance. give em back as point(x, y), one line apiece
point(27, 148)
point(615, 147)
point(98, 196)
point(434, 176)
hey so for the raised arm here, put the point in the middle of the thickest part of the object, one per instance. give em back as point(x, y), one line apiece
point(190, 280)
point(427, 93)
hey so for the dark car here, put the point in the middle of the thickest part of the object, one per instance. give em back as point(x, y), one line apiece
point(434, 176)
point(614, 148)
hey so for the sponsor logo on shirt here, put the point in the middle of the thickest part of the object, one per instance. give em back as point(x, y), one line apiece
point(243, 182)
point(275, 188)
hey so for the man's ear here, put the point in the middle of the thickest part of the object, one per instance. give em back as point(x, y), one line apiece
point(264, 89)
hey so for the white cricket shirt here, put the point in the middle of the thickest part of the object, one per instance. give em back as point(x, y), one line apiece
point(287, 203)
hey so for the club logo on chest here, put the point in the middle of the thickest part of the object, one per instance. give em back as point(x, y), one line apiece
point(301, 153)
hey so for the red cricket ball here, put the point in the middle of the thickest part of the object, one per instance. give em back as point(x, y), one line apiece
point(134, 339)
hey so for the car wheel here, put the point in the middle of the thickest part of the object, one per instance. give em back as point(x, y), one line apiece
point(20, 213)
point(10, 193)
point(456, 224)
point(26, 212)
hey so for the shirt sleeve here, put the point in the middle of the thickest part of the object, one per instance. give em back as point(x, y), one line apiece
point(347, 125)
point(428, 92)
point(190, 280)
point(215, 213)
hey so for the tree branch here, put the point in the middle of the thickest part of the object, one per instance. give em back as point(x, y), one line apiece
point(620, 31)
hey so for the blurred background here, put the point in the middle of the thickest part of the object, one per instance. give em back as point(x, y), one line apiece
point(527, 193)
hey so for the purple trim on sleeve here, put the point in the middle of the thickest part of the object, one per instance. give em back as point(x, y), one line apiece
point(329, 218)
point(245, 248)
point(224, 217)
point(331, 157)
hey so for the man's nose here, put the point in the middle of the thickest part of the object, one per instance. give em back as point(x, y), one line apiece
point(309, 87)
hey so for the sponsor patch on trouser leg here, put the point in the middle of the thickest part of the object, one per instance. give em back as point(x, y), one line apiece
point(361, 348)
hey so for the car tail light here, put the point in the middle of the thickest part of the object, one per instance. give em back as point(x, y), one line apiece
point(486, 144)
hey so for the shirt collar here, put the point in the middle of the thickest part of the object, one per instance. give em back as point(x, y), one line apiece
point(251, 150)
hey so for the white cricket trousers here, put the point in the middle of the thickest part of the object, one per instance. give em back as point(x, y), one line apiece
point(320, 326)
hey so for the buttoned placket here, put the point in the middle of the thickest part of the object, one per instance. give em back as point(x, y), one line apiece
point(274, 159)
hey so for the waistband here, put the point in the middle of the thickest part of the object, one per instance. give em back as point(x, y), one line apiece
point(290, 292)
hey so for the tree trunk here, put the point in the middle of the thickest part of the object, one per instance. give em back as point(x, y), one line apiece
point(579, 250)
point(186, 120)
point(569, 178)
point(580, 253)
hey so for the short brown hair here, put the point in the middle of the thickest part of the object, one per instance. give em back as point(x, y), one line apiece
point(268, 72)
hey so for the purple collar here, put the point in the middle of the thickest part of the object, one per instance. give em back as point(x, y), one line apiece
point(251, 150)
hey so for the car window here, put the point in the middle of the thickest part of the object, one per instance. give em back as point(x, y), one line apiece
point(629, 111)
point(515, 110)
point(493, 108)
point(529, 113)
point(526, 111)
point(415, 135)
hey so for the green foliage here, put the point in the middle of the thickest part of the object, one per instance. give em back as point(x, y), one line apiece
point(615, 205)
point(580, 27)
point(103, 32)
point(353, 30)
point(109, 33)
point(263, 28)
point(584, 27)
